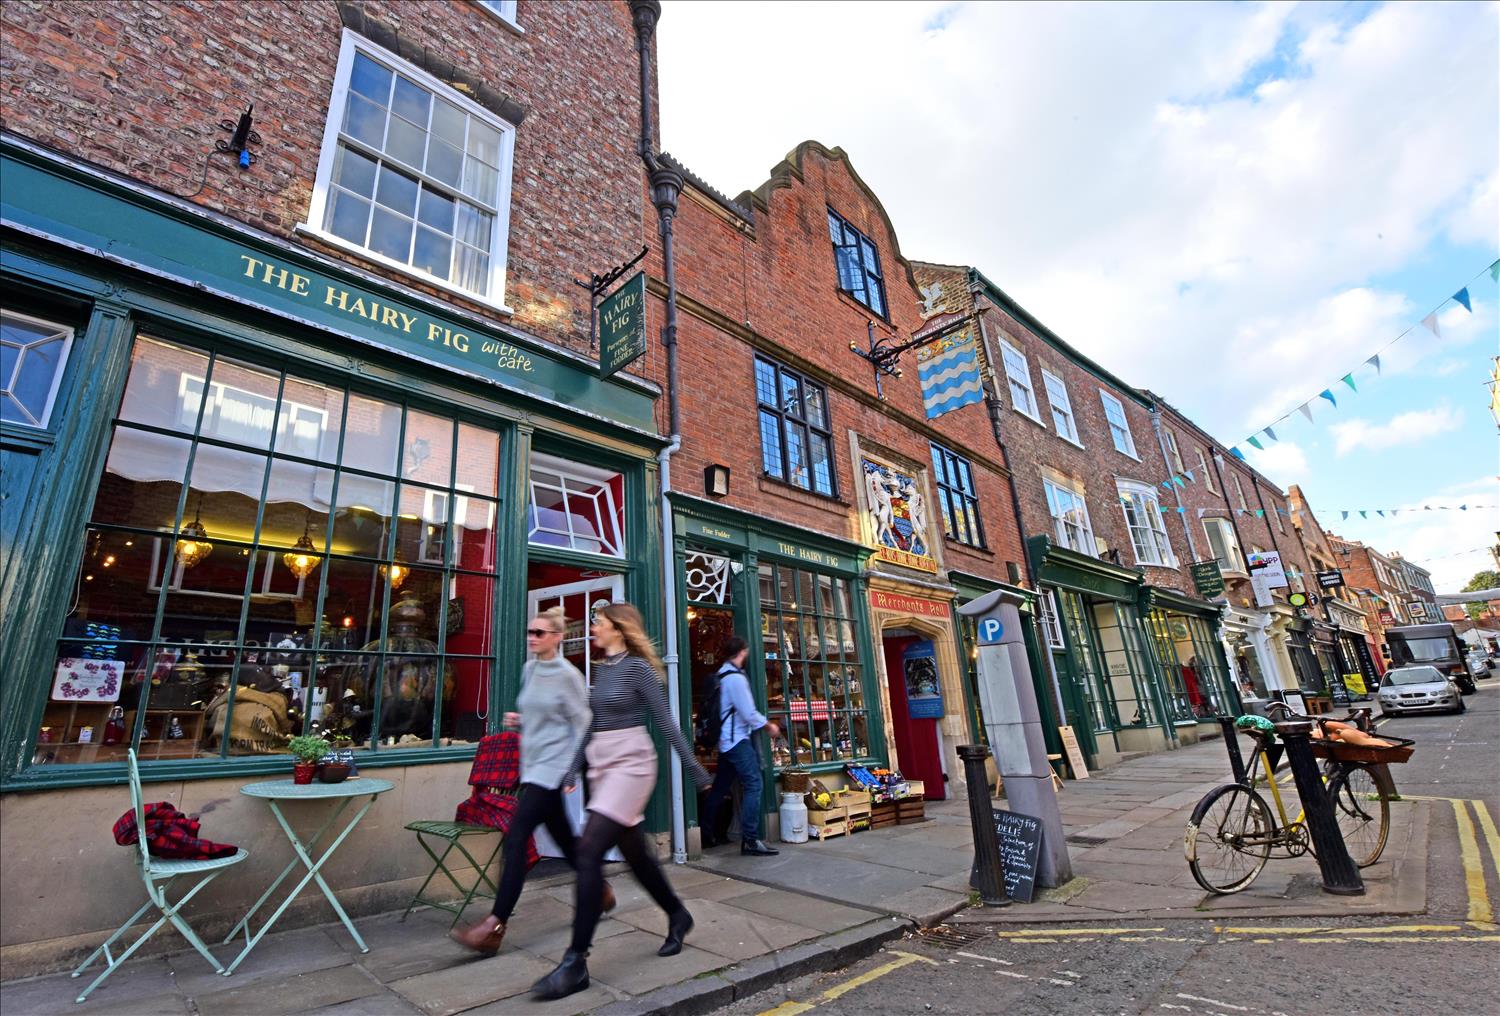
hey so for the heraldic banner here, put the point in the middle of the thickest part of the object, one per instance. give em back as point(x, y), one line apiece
point(949, 372)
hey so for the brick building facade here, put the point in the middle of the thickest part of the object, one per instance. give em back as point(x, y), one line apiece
point(307, 422)
point(1356, 650)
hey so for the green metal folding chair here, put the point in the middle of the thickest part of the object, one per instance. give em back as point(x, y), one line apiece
point(451, 834)
point(155, 870)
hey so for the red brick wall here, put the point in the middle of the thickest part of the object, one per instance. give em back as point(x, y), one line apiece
point(772, 285)
point(141, 87)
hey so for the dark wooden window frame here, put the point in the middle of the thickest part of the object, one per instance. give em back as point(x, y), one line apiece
point(852, 240)
point(959, 500)
point(787, 418)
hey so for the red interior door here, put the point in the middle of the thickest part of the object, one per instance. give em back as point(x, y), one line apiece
point(916, 740)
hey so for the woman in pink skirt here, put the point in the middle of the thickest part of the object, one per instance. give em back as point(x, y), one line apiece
point(622, 774)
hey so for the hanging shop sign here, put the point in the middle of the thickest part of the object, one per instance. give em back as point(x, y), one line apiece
point(924, 695)
point(1297, 600)
point(896, 512)
point(1268, 562)
point(622, 326)
point(1331, 579)
point(916, 605)
point(1207, 579)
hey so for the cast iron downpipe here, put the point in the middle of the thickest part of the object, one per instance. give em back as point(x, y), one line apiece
point(666, 185)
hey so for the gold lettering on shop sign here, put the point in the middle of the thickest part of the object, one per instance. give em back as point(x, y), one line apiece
point(268, 273)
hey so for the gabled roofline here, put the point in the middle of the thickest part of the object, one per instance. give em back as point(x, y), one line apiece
point(697, 182)
point(1015, 310)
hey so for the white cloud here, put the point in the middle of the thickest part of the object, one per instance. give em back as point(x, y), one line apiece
point(1167, 193)
point(1407, 428)
point(1284, 462)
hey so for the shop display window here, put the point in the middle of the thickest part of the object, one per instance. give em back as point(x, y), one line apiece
point(268, 555)
point(814, 681)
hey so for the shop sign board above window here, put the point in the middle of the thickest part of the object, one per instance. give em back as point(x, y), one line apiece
point(1267, 563)
point(622, 326)
point(1331, 579)
point(1207, 579)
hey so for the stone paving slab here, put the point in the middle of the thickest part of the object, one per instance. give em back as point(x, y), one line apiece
point(294, 994)
point(471, 984)
point(725, 930)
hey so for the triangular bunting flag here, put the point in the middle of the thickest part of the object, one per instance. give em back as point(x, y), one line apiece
point(1395, 512)
point(1260, 513)
point(1189, 474)
point(1364, 515)
point(1463, 507)
point(1235, 451)
point(1255, 442)
point(1495, 270)
point(1306, 410)
point(1374, 361)
point(1167, 484)
point(1270, 433)
point(1430, 323)
point(1427, 507)
point(1201, 511)
point(1326, 394)
point(1348, 379)
point(1178, 480)
point(1344, 514)
point(1380, 513)
point(1462, 296)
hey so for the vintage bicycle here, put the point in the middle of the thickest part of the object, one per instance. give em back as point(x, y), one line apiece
point(1232, 831)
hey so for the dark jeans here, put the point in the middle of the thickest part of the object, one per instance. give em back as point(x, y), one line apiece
point(537, 806)
point(741, 761)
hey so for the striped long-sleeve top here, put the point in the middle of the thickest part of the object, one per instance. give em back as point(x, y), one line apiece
point(626, 691)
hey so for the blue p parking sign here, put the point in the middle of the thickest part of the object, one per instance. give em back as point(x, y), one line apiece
point(990, 630)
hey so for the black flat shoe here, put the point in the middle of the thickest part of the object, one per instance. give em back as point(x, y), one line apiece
point(758, 848)
point(570, 976)
point(678, 925)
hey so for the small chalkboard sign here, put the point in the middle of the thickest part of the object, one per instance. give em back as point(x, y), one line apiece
point(1020, 847)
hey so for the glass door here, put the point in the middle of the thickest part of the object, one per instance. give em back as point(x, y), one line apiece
point(579, 600)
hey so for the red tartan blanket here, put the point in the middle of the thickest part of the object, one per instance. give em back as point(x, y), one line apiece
point(497, 767)
point(169, 833)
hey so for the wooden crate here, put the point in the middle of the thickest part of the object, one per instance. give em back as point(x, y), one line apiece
point(910, 809)
point(826, 823)
point(882, 814)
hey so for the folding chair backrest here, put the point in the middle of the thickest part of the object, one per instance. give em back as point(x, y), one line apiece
point(138, 808)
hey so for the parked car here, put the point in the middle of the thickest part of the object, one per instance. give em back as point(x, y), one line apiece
point(1479, 663)
point(1417, 689)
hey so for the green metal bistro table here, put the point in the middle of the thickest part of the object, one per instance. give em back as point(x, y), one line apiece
point(273, 792)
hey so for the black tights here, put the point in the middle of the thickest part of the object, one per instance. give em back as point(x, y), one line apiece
point(537, 806)
point(598, 836)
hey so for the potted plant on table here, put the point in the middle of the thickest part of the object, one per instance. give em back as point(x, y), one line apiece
point(307, 748)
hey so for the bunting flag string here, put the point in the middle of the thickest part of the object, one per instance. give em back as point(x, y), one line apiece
point(1392, 513)
point(1260, 438)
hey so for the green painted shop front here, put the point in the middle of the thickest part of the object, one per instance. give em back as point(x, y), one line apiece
point(798, 598)
point(272, 490)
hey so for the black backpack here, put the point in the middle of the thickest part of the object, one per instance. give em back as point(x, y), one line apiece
point(710, 720)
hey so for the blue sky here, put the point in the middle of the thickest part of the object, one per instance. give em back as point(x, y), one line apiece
point(1231, 204)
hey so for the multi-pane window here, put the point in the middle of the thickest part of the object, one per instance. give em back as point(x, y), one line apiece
point(796, 444)
point(1148, 533)
point(1119, 425)
point(858, 264)
point(575, 506)
point(1061, 405)
point(814, 686)
point(1070, 517)
point(1208, 474)
point(267, 551)
point(1173, 455)
point(957, 496)
point(1018, 376)
point(1224, 544)
point(1051, 626)
point(33, 354)
point(414, 173)
point(1239, 492)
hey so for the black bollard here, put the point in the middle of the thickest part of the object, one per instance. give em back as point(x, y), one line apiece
point(1340, 875)
point(987, 860)
point(1232, 746)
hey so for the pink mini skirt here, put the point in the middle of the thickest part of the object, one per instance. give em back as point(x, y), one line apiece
point(622, 774)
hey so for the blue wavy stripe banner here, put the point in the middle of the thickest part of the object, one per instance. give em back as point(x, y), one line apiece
point(949, 374)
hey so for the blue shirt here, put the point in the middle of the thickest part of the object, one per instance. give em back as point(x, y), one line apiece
point(741, 718)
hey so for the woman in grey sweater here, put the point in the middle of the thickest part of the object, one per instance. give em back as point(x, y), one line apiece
point(553, 718)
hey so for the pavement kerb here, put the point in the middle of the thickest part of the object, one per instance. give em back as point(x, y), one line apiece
point(718, 988)
point(926, 919)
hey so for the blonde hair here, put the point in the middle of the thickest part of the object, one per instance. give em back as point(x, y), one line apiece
point(632, 628)
point(557, 618)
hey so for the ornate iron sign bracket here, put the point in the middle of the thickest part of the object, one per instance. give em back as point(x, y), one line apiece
point(596, 286)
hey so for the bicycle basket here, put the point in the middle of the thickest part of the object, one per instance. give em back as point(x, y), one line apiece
point(1399, 751)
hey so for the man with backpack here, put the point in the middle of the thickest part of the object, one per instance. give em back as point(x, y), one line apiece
point(732, 716)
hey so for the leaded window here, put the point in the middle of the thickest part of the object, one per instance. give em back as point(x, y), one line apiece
point(796, 443)
point(576, 507)
point(707, 577)
point(858, 264)
point(33, 354)
point(957, 496)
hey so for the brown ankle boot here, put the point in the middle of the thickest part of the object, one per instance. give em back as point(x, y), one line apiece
point(607, 898)
point(482, 937)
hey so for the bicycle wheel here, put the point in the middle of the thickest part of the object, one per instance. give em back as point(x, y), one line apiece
point(1363, 811)
point(1228, 839)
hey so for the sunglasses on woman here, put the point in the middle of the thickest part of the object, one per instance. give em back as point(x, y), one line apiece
point(537, 633)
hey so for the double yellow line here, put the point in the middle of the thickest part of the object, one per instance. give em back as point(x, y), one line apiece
point(1480, 911)
point(843, 988)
